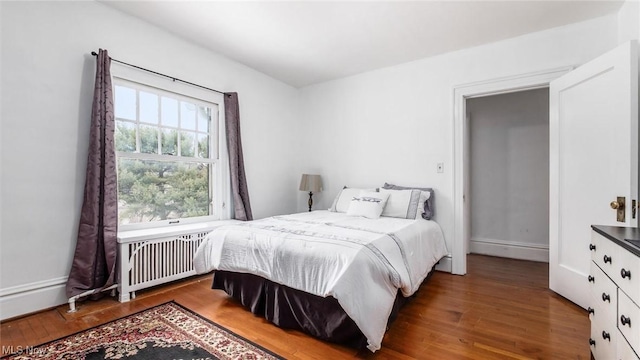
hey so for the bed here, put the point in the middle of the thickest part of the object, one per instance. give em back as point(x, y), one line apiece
point(335, 276)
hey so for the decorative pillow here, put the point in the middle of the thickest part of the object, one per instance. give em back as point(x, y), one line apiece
point(369, 204)
point(343, 199)
point(429, 203)
point(405, 204)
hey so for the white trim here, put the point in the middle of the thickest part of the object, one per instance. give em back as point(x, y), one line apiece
point(169, 231)
point(510, 249)
point(171, 158)
point(223, 170)
point(32, 297)
point(503, 85)
point(37, 285)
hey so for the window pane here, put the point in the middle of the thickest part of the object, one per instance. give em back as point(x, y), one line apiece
point(155, 190)
point(148, 139)
point(187, 116)
point(125, 136)
point(204, 118)
point(203, 146)
point(187, 143)
point(148, 107)
point(169, 112)
point(125, 103)
point(169, 142)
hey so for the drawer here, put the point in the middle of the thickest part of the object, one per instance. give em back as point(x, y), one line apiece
point(603, 338)
point(604, 292)
point(624, 351)
point(604, 253)
point(629, 264)
point(629, 312)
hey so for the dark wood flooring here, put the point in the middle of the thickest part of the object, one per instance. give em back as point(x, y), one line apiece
point(502, 309)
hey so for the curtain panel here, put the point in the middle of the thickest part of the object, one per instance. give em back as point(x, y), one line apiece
point(94, 261)
point(239, 189)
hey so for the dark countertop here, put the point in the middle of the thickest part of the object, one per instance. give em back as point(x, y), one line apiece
point(620, 236)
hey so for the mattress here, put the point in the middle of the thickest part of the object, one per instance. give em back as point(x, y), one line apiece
point(360, 262)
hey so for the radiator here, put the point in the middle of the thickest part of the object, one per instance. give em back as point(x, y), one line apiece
point(150, 258)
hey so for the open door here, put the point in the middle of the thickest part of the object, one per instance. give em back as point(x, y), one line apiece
point(593, 160)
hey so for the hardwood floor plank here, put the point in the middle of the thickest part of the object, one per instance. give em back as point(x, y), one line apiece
point(502, 309)
point(501, 351)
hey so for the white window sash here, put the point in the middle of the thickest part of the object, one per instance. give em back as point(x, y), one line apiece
point(219, 185)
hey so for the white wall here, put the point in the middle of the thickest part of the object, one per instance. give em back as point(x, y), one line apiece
point(395, 124)
point(47, 85)
point(509, 147)
point(629, 21)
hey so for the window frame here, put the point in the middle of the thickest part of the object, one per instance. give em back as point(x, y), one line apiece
point(219, 183)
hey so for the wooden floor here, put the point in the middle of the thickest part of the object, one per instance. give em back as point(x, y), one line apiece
point(502, 309)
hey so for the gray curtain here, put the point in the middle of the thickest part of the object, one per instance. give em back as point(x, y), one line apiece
point(239, 189)
point(94, 262)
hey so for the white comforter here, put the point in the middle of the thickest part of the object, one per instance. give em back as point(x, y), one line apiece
point(360, 262)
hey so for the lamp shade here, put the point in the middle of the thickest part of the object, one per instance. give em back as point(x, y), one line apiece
point(312, 183)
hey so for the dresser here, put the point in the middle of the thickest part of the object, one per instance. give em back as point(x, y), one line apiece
point(614, 280)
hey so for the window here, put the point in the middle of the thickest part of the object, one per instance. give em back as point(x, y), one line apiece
point(168, 150)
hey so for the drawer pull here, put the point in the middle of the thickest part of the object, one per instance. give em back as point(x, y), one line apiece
point(592, 342)
point(605, 335)
point(592, 247)
point(625, 320)
point(625, 273)
point(590, 311)
point(591, 279)
point(607, 259)
point(606, 297)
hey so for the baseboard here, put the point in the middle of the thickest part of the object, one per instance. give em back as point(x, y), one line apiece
point(32, 297)
point(444, 264)
point(510, 249)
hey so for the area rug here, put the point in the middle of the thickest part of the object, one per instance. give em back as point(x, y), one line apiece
point(167, 331)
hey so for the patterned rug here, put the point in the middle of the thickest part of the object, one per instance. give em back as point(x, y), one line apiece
point(167, 331)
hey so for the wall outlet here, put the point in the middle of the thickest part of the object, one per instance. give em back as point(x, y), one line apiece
point(440, 168)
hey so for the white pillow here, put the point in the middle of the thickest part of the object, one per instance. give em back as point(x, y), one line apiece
point(342, 201)
point(405, 204)
point(368, 204)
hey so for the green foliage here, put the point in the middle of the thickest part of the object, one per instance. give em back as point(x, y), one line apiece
point(148, 139)
point(155, 190)
point(203, 147)
point(187, 144)
point(169, 142)
point(125, 137)
point(159, 190)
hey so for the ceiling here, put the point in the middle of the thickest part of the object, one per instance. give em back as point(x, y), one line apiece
point(308, 42)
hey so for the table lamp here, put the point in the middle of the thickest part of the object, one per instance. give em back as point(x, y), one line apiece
point(311, 183)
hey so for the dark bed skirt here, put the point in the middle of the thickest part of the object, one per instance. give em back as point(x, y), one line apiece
point(289, 308)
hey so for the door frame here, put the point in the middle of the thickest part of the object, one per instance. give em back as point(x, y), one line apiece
point(497, 86)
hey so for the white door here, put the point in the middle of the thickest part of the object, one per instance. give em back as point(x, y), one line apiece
point(593, 159)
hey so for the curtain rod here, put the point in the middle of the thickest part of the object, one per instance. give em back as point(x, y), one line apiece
point(161, 74)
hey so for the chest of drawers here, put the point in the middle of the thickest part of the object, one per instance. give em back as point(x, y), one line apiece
point(614, 280)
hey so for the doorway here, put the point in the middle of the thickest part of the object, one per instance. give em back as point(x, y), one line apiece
point(508, 192)
point(461, 176)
